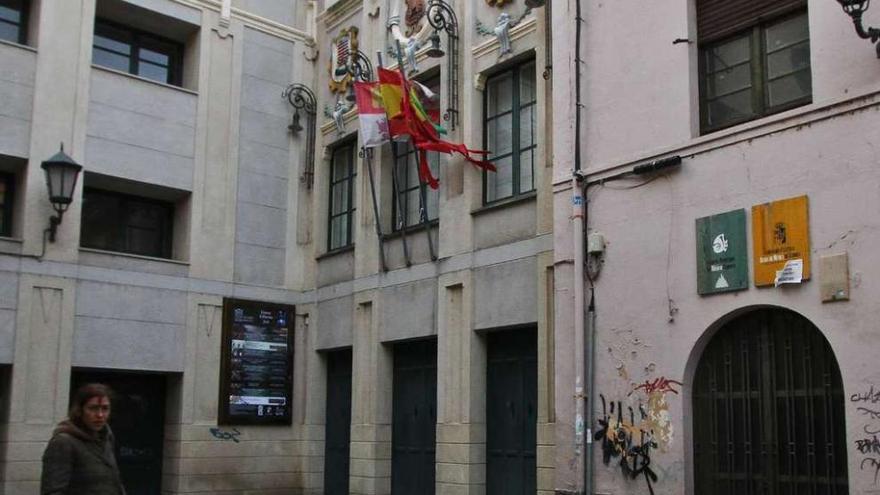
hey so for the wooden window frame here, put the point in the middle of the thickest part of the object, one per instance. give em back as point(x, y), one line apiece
point(347, 181)
point(24, 9)
point(139, 40)
point(166, 234)
point(516, 148)
point(758, 67)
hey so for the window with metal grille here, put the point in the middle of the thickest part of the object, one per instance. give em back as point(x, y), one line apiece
point(768, 410)
point(136, 52)
point(342, 197)
point(114, 221)
point(14, 20)
point(760, 69)
point(509, 128)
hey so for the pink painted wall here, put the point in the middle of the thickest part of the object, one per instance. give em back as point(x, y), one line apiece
point(639, 92)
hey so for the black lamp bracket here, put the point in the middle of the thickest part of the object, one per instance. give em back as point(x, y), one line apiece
point(855, 9)
point(441, 17)
point(302, 98)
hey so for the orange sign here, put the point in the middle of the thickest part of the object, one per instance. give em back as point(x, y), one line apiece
point(780, 233)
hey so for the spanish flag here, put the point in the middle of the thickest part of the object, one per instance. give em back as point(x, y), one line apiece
point(407, 117)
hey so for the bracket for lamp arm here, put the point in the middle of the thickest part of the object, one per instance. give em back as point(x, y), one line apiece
point(441, 17)
point(302, 98)
point(855, 9)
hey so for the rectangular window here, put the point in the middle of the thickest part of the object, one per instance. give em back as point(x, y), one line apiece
point(762, 70)
point(136, 52)
point(342, 197)
point(13, 20)
point(509, 132)
point(408, 187)
point(7, 183)
point(128, 224)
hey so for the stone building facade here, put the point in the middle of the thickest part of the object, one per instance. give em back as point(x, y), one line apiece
point(195, 192)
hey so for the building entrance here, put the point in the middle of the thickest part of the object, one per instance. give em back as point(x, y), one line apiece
point(511, 412)
point(338, 425)
point(414, 418)
point(768, 410)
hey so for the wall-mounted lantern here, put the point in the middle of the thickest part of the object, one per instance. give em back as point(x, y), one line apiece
point(301, 98)
point(855, 9)
point(61, 174)
point(442, 18)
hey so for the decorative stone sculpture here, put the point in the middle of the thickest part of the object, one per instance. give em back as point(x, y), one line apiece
point(412, 46)
point(339, 115)
point(502, 33)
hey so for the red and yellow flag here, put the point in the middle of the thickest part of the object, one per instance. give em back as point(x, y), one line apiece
point(407, 117)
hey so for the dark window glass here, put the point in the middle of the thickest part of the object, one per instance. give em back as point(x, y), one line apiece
point(760, 71)
point(509, 132)
point(129, 224)
point(7, 182)
point(13, 20)
point(408, 188)
point(142, 54)
point(342, 197)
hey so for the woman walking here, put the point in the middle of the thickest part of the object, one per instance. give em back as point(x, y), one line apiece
point(79, 458)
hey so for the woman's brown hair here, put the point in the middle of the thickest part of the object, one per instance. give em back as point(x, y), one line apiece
point(83, 395)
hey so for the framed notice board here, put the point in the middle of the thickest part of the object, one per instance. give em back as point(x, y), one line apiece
point(256, 363)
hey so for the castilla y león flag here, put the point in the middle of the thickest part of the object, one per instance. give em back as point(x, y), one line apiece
point(374, 123)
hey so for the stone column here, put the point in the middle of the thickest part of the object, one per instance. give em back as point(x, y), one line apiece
point(372, 375)
point(461, 390)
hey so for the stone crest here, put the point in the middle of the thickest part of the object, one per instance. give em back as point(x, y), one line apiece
point(415, 13)
point(341, 69)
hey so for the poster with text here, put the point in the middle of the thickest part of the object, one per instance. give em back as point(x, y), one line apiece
point(256, 381)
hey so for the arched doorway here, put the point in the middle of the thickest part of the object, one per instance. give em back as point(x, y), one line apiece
point(768, 410)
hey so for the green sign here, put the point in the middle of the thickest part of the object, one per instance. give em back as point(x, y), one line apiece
point(722, 259)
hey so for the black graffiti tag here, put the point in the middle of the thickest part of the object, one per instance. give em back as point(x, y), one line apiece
point(868, 445)
point(226, 435)
point(871, 413)
point(619, 440)
point(872, 463)
point(870, 396)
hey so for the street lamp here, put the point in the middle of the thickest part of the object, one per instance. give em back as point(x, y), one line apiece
point(441, 17)
point(61, 174)
point(302, 98)
point(855, 9)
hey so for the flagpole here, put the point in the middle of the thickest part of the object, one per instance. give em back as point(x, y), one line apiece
point(368, 157)
point(396, 197)
point(423, 208)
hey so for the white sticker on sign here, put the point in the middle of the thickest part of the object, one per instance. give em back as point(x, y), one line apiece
point(791, 273)
point(721, 283)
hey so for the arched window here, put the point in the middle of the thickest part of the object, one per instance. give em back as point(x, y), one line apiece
point(768, 410)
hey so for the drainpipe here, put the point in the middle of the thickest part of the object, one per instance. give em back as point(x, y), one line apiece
point(590, 357)
point(577, 216)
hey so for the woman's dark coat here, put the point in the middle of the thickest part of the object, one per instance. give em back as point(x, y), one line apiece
point(77, 462)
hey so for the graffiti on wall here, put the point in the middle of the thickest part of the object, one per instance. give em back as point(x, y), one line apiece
point(628, 442)
point(868, 405)
point(653, 393)
point(225, 435)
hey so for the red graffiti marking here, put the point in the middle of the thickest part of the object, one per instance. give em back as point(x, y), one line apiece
point(661, 385)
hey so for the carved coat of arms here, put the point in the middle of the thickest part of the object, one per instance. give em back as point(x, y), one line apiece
point(415, 12)
point(345, 45)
